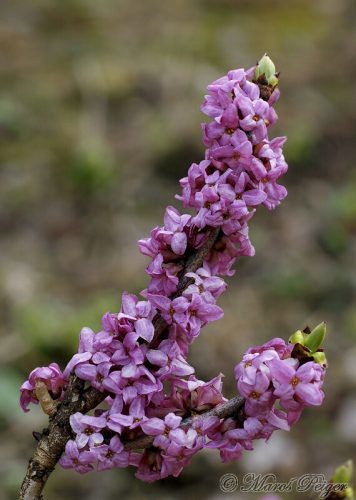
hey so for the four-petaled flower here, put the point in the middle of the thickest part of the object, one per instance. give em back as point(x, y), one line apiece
point(302, 383)
point(87, 429)
point(81, 461)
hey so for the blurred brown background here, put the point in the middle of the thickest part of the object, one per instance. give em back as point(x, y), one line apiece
point(99, 118)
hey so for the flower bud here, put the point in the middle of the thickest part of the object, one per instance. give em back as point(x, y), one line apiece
point(266, 68)
point(349, 493)
point(297, 338)
point(320, 358)
point(343, 473)
point(316, 337)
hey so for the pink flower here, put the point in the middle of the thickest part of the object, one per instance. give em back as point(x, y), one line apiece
point(169, 359)
point(132, 381)
point(73, 458)
point(112, 455)
point(163, 278)
point(176, 224)
point(171, 310)
point(210, 287)
point(87, 429)
point(302, 383)
point(174, 458)
point(117, 420)
point(165, 431)
point(95, 374)
point(51, 375)
point(236, 152)
point(255, 114)
point(148, 464)
point(200, 313)
point(75, 361)
point(129, 350)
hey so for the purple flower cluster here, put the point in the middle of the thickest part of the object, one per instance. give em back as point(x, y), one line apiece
point(149, 383)
point(277, 387)
point(100, 438)
point(51, 375)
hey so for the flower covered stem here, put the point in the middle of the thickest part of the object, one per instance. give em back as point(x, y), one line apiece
point(194, 262)
point(221, 214)
point(77, 399)
point(229, 408)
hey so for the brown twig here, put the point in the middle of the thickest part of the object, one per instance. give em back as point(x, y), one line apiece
point(228, 409)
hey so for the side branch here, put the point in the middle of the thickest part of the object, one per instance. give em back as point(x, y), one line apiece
point(228, 409)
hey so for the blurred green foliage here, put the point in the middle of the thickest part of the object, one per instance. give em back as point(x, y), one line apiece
point(99, 117)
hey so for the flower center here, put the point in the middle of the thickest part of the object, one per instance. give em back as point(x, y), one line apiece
point(255, 395)
point(294, 381)
point(109, 454)
point(230, 130)
point(88, 431)
point(256, 118)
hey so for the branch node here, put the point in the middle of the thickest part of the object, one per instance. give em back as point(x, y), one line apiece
point(37, 435)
